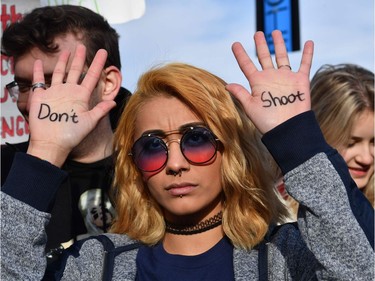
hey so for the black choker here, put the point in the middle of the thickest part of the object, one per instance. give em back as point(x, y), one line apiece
point(194, 229)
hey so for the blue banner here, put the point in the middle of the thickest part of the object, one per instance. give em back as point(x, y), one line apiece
point(282, 15)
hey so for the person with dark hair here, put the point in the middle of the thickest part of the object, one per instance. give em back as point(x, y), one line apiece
point(43, 34)
point(193, 186)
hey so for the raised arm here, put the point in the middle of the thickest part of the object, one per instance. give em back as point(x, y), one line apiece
point(315, 174)
point(277, 93)
point(61, 116)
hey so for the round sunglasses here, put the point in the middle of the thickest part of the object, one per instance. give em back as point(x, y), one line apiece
point(198, 145)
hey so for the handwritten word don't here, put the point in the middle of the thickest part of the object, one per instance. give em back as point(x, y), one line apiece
point(268, 99)
point(45, 112)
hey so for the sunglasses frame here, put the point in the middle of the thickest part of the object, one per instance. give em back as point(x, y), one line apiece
point(183, 132)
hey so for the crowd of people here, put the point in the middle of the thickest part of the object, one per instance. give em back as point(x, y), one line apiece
point(177, 180)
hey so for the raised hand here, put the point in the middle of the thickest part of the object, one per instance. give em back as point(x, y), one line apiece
point(277, 94)
point(60, 117)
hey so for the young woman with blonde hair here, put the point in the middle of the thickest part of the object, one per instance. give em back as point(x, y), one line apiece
point(342, 97)
point(250, 203)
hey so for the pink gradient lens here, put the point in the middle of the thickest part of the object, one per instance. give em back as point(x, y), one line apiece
point(198, 145)
point(150, 153)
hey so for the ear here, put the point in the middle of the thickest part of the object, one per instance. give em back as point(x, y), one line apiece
point(112, 83)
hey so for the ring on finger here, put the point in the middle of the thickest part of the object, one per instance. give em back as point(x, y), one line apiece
point(286, 65)
point(38, 85)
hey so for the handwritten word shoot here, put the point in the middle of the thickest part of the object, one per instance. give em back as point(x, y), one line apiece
point(45, 112)
point(268, 99)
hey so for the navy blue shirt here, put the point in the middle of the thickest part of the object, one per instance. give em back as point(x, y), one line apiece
point(154, 263)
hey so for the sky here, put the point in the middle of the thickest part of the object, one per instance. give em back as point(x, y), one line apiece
point(202, 32)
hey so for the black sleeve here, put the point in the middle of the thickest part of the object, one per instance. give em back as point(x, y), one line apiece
point(33, 181)
point(304, 129)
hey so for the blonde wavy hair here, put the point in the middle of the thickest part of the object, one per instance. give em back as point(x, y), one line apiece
point(339, 94)
point(250, 202)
